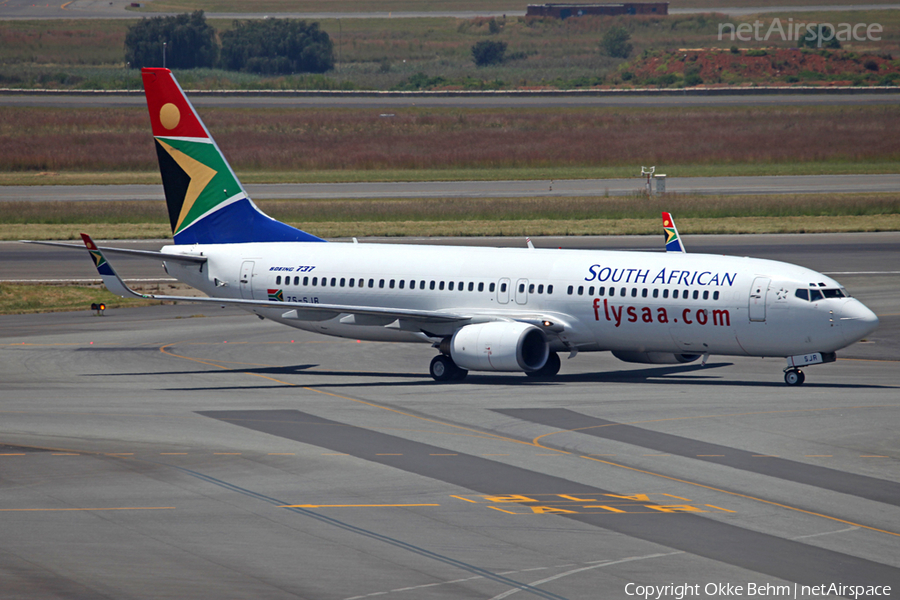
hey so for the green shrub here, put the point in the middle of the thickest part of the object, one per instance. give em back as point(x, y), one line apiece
point(277, 46)
point(615, 42)
point(488, 52)
point(189, 42)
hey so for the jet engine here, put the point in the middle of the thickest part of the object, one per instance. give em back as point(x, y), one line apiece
point(499, 346)
point(654, 358)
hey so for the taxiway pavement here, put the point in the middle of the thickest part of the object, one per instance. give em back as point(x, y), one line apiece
point(763, 184)
point(197, 452)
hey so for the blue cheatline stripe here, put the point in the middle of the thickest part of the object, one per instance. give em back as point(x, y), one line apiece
point(240, 222)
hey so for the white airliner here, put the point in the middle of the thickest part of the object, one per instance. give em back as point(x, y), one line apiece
point(482, 309)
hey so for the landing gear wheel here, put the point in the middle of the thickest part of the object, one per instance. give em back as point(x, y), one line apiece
point(550, 368)
point(444, 369)
point(794, 377)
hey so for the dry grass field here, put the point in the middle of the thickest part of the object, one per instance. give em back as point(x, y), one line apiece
point(482, 216)
point(527, 141)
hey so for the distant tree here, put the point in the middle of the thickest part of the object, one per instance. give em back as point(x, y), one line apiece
point(277, 46)
point(488, 52)
point(615, 42)
point(190, 42)
point(822, 36)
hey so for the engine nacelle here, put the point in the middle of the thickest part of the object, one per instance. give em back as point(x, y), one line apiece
point(654, 358)
point(499, 346)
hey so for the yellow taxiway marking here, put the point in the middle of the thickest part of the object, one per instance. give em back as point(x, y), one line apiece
point(720, 508)
point(10, 454)
point(65, 454)
point(685, 499)
point(352, 505)
point(739, 495)
point(536, 443)
point(466, 499)
point(77, 509)
point(873, 456)
point(509, 512)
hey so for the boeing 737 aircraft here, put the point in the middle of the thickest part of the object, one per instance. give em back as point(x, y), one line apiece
point(482, 309)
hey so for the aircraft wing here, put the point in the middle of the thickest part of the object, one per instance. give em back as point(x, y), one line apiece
point(185, 258)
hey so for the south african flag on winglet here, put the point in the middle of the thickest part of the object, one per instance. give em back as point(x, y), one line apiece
point(276, 295)
point(673, 242)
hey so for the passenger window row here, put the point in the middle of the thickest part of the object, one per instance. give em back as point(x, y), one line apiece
point(644, 292)
point(411, 284)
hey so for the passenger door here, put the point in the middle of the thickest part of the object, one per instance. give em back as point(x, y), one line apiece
point(758, 293)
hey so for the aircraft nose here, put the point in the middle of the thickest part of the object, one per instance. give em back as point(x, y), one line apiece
point(857, 321)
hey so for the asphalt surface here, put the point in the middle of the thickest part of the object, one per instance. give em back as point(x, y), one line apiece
point(116, 9)
point(197, 452)
point(787, 184)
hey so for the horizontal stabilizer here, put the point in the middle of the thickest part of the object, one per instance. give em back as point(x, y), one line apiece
point(183, 258)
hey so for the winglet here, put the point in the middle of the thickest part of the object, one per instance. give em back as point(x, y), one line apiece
point(110, 279)
point(673, 242)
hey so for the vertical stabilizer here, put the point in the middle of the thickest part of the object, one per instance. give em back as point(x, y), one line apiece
point(673, 241)
point(206, 202)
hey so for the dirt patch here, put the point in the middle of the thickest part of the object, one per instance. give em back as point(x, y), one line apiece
point(773, 66)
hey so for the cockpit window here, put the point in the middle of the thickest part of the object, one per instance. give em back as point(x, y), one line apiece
point(815, 295)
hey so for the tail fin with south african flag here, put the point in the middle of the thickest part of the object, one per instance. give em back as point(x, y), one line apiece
point(206, 202)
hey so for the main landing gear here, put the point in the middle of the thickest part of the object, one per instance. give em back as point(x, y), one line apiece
point(444, 369)
point(794, 376)
point(550, 368)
